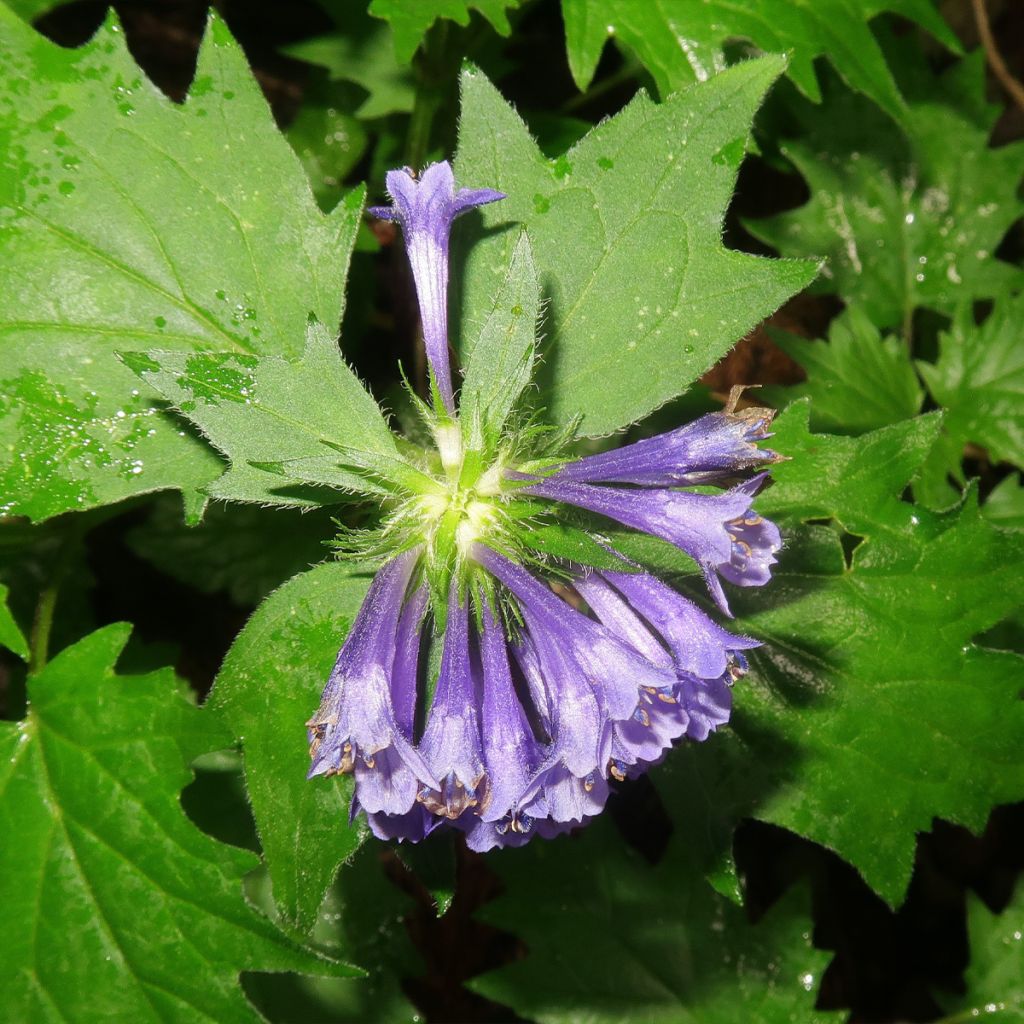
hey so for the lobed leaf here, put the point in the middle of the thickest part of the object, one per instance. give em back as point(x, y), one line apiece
point(137, 223)
point(682, 41)
point(641, 296)
point(108, 887)
point(905, 218)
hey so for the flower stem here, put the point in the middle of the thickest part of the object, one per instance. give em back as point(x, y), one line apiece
point(42, 623)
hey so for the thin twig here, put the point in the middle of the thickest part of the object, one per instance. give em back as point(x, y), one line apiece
point(995, 59)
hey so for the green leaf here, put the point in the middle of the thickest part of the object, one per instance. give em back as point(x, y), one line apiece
point(361, 919)
point(269, 685)
point(107, 886)
point(365, 56)
point(994, 977)
point(979, 378)
point(243, 550)
point(610, 938)
point(410, 20)
point(499, 366)
point(906, 218)
point(1005, 505)
point(11, 636)
point(140, 223)
point(641, 295)
point(858, 381)
point(682, 42)
point(328, 140)
point(870, 712)
point(279, 421)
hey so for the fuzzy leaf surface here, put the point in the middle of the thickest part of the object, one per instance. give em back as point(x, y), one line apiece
point(979, 379)
point(138, 223)
point(905, 218)
point(109, 887)
point(269, 686)
point(271, 416)
point(500, 364)
point(681, 41)
point(611, 938)
point(641, 295)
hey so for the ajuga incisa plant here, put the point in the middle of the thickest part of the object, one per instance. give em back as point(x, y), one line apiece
point(555, 677)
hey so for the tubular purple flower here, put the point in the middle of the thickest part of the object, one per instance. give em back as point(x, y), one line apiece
point(451, 745)
point(718, 531)
point(355, 728)
point(425, 207)
point(716, 445)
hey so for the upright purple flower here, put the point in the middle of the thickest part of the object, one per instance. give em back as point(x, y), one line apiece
point(425, 207)
point(547, 690)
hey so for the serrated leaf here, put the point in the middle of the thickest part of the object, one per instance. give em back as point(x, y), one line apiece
point(979, 379)
point(857, 381)
point(108, 887)
point(410, 21)
point(289, 418)
point(499, 365)
point(138, 223)
point(242, 550)
point(869, 711)
point(11, 636)
point(905, 218)
point(610, 938)
point(641, 295)
point(268, 687)
point(567, 542)
point(995, 972)
point(682, 42)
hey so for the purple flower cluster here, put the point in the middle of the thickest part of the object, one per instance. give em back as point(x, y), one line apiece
point(544, 694)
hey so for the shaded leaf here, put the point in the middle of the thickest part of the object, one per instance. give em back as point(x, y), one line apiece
point(11, 635)
point(905, 218)
point(682, 42)
point(243, 550)
point(610, 938)
point(641, 295)
point(979, 379)
point(870, 711)
point(365, 55)
point(109, 887)
point(1005, 505)
point(138, 223)
point(268, 687)
point(857, 381)
point(995, 975)
point(410, 21)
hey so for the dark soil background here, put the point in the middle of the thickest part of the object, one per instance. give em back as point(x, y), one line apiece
point(886, 962)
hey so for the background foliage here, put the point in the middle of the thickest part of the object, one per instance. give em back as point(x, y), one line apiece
point(182, 244)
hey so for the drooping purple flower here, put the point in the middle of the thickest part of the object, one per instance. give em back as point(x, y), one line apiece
point(355, 728)
point(720, 532)
point(550, 690)
point(425, 207)
point(452, 745)
point(716, 445)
